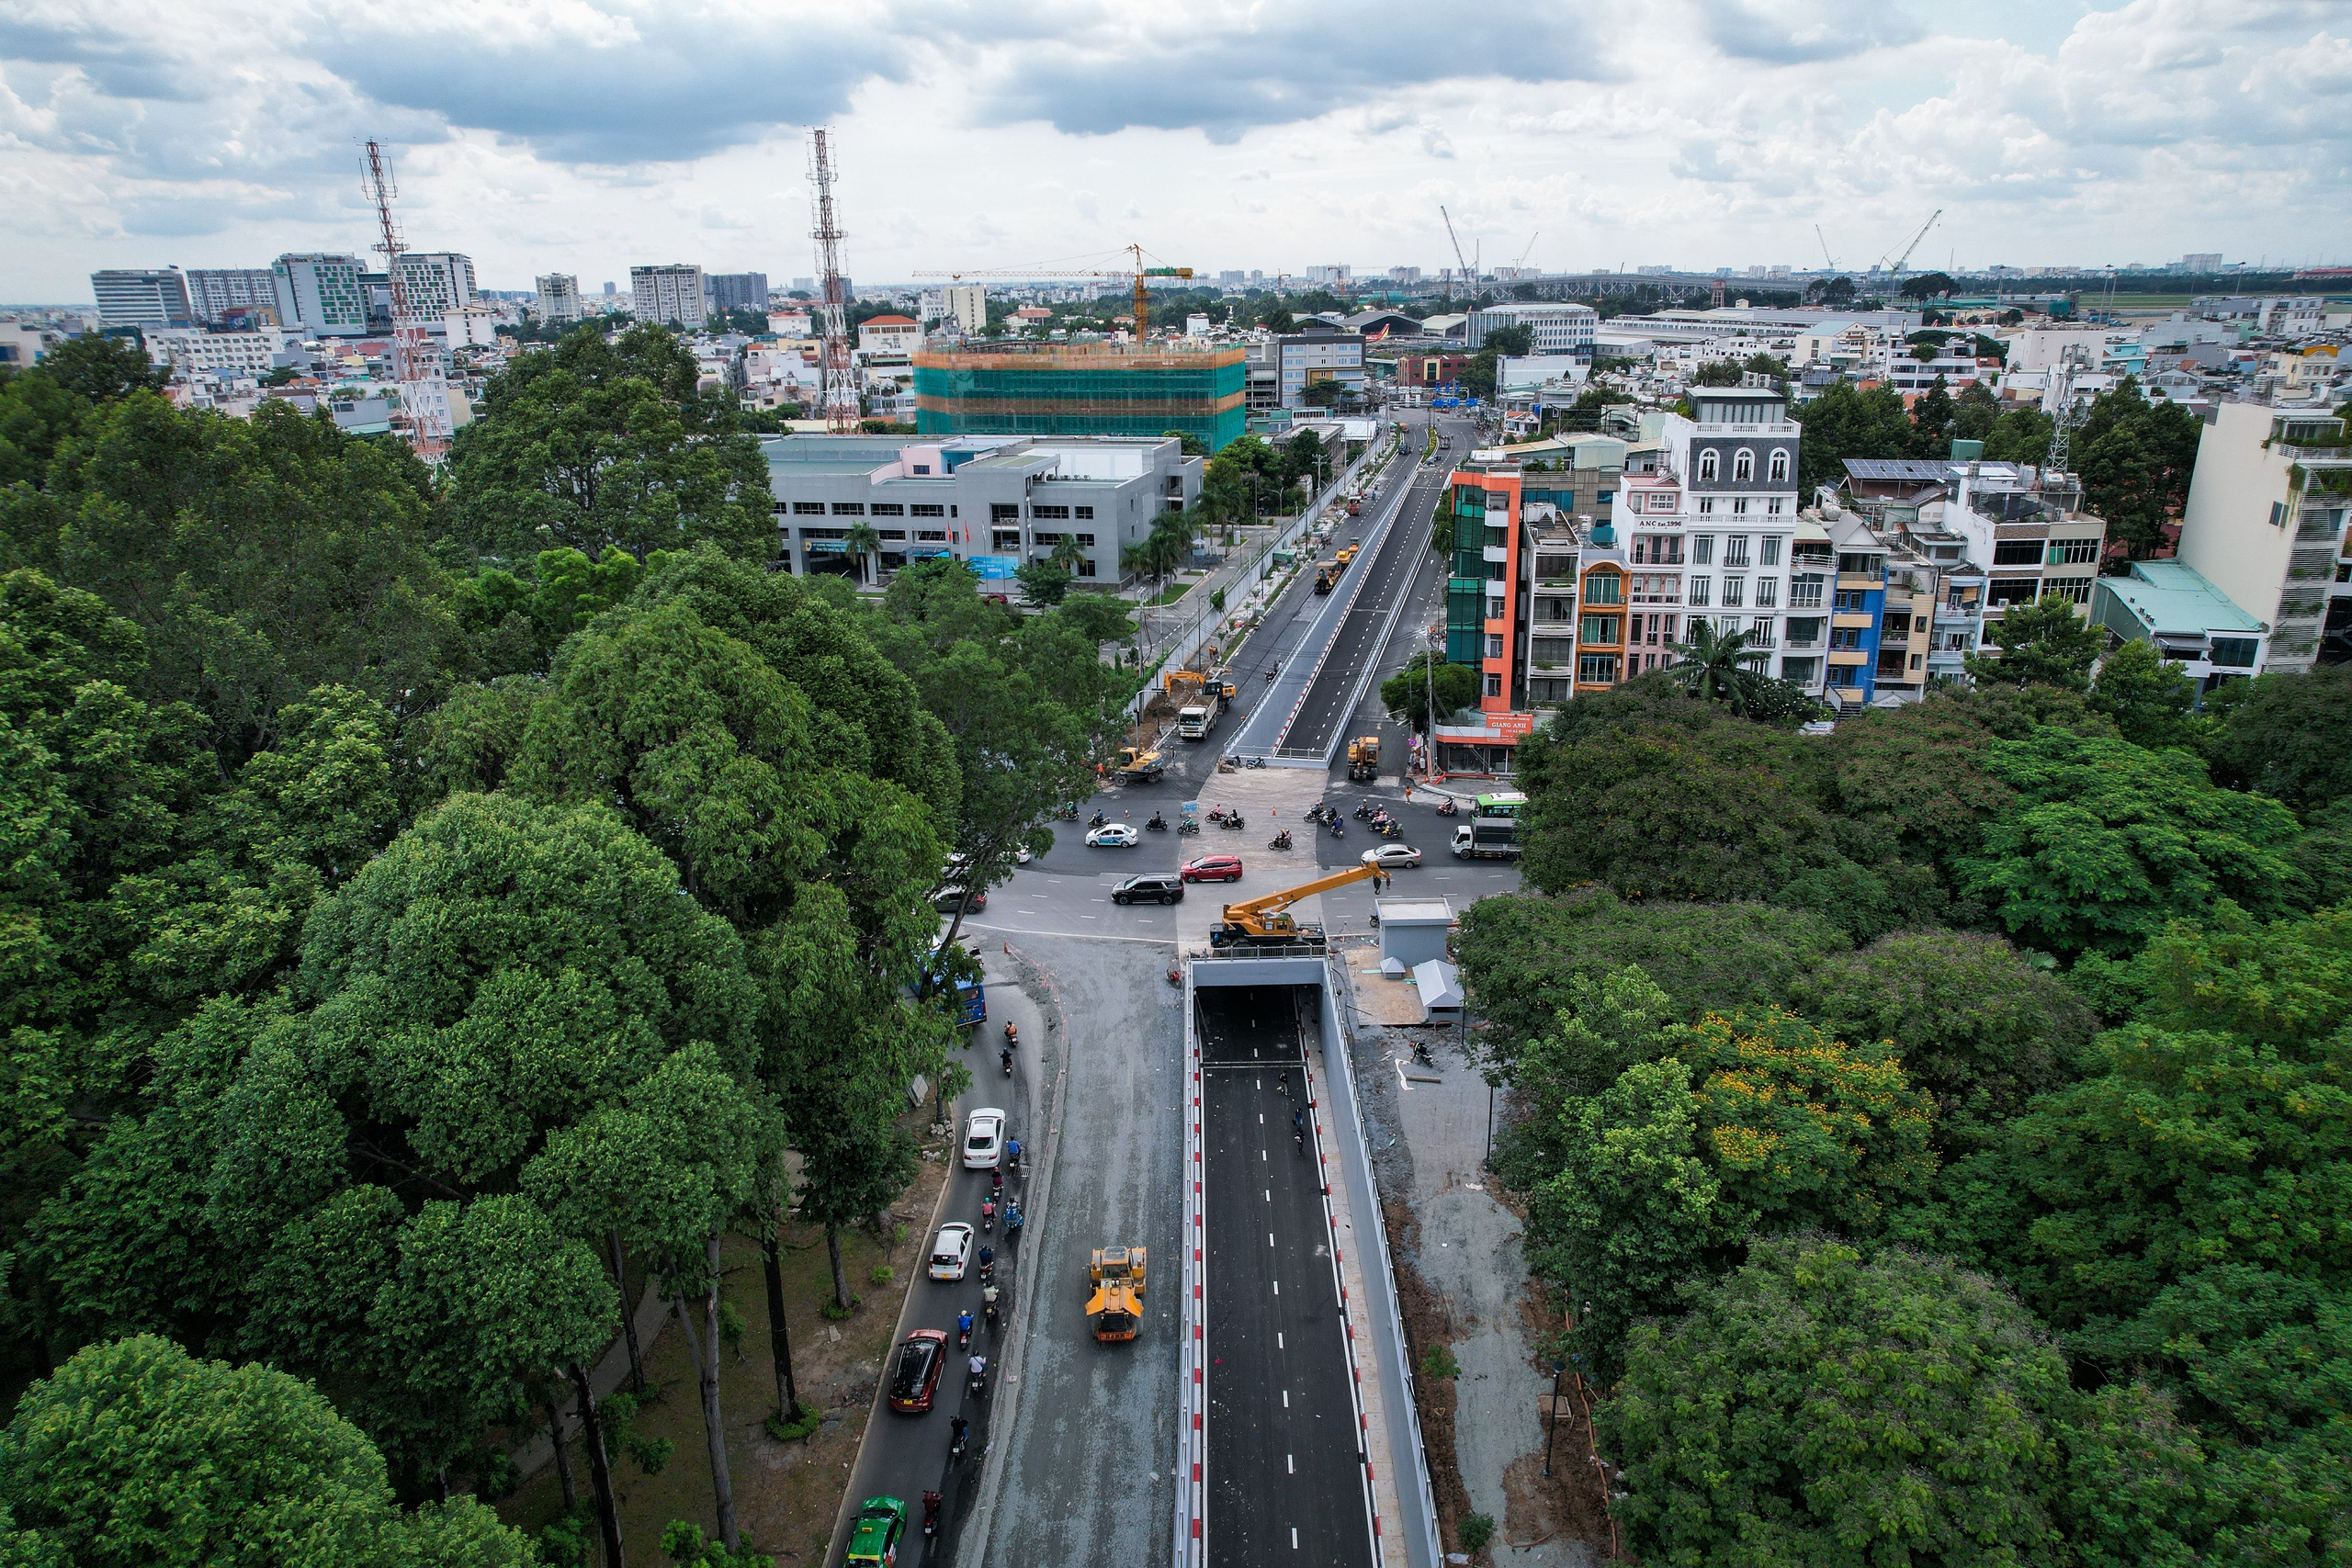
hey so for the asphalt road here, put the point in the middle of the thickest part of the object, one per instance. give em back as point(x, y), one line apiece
point(1286, 1476)
point(1325, 708)
point(904, 1456)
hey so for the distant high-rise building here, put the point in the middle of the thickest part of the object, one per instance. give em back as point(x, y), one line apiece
point(1404, 275)
point(437, 282)
point(559, 297)
point(666, 294)
point(1328, 275)
point(322, 295)
point(609, 290)
point(2201, 261)
point(142, 297)
point(737, 291)
point(967, 304)
point(806, 285)
point(214, 292)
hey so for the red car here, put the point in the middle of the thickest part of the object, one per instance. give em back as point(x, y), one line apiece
point(1213, 868)
point(921, 1358)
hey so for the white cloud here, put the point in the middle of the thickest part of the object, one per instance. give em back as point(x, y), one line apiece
point(581, 135)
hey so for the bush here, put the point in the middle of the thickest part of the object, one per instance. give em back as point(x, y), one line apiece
point(1438, 1362)
point(805, 1422)
point(882, 1274)
point(1476, 1532)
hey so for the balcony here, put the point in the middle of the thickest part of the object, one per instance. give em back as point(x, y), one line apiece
point(1841, 657)
point(1853, 620)
point(1860, 581)
point(1497, 554)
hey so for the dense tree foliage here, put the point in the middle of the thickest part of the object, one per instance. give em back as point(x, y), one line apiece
point(1879, 1248)
point(432, 901)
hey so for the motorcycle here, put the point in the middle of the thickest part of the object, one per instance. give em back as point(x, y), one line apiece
point(1013, 1221)
point(1217, 814)
point(980, 1383)
point(1099, 820)
point(931, 1514)
point(1233, 822)
point(1280, 840)
point(963, 1332)
point(1187, 826)
point(988, 1215)
point(1392, 829)
point(1338, 829)
point(1158, 824)
point(1011, 1035)
point(1007, 1059)
point(988, 1269)
point(956, 1437)
point(1067, 813)
point(1364, 809)
point(1253, 761)
point(1449, 807)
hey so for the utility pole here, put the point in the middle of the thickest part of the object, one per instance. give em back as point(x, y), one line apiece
point(840, 381)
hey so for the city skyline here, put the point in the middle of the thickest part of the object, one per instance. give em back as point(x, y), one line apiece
point(590, 139)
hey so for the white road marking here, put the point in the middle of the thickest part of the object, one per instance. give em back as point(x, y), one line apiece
point(1293, 1538)
point(1261, 1154)
point(1278, 1290)
point(1270, 1238)
point(1290, 1465)
point(1278, 1340)
point(1285, 1399)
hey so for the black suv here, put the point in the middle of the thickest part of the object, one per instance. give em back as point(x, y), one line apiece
point(1152, 887)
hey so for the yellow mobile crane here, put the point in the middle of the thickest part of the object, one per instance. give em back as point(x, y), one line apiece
point(1267, 920)
point(1141, 272)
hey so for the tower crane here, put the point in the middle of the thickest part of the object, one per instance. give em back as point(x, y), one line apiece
point(1142, 272)
point(1519, 267)
point(1824, 247)
point(1904, 260)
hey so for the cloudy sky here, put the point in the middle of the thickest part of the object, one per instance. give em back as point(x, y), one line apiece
point(581, 135)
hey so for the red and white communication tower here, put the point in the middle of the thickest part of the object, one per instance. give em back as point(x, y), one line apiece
point(839, 379)
point(424, 417)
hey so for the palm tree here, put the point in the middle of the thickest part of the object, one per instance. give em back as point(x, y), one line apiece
point(1718, 666)
point(862, 541)
point(1068, 553)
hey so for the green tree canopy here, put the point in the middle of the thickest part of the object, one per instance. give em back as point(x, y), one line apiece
point(590, 445)
point(2046, 643)
point(1406, 692)
point(2148, 698)
point(2102, 842)
point(2284, 735)
point(136, 1455)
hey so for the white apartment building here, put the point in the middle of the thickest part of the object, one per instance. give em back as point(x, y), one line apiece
point(2264, 524)
point(666, 294)
point(437, 282)
point(1555, 328)
point(149, 296)
point(969, 303)
point(321, 295)
point(559, 296)
point(214, 292)
point(192, 351)
point(888, 338)
point(1712, 535)
point(475, 326)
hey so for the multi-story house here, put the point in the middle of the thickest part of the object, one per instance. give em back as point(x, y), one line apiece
point(2266, 524)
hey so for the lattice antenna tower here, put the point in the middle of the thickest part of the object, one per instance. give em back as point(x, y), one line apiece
point(840, 381)
point(416, 367)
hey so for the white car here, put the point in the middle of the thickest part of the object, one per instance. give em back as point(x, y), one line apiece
point(983, 1139)
point(1112, 836)
point(951, 1251)
point(1388, 857)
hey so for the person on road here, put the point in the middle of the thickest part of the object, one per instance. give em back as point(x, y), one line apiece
point(1298, 1119)
point(980, 1369)
point(956, 1426)
point(988, 1295)
point(1012, 1153)
point(964, 1322)
point(1282, 1084)
point(988, 1256)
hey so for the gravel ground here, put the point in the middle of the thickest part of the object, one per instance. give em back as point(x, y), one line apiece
point(1448, 1227)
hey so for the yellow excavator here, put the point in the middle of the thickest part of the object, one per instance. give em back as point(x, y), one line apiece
point(1114, 1310)
point(1363, 757)
point(1267, 921)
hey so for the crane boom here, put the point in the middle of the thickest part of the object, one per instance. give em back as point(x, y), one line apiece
point(1141, 273)
point(1468, 277)
point(1266, 919)
point(1905, 259)
point(1519, 267)
point(1824, 247)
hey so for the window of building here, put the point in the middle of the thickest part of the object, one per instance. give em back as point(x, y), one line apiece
point(1894, 623)
point(1085, 541)
point(899, 534)
point(888, 509)
point(2076, 589)
point(1781, 466)
point(1598, 629)
point(1850, 599)
point(1760, 632)
point(1707, 467)
point(1769, 551)
point(1702, 549)
point(1084, 513)
point(809, 508)
point(1494, 685)
point(1736, 550)
point(922, 468)
point(1054, 511)
point(1494, 644)
point(1735, 592)
point(2234, 652)
point(824, 533)
point(1700, 587)
point(1739, 507)
point(1595, 668)
point(935, 535)
point(1604, 588)
point(2013, 590)
point(1845, 637)
point(1768, 592)
point(1086, 567)
point(2072, 552)
point(922, 509)
point(2017, 552)
point(1045, 541)
point(848, 509)
point(1772, 507)
point(1001, 512)
point(1658, 500)
point(1706, 506)
point(1743, 466)
point(1494, 608)
point(1008, 538)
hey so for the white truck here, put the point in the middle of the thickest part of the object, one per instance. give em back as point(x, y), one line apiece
point(1492, 832)
point(1195, 720)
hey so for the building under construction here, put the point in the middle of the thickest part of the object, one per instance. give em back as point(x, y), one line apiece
point(1094, 389)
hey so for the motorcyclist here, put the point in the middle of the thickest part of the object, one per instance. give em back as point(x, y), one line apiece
point(1014, 1220)
point(956, 1426)
point(1012, 1153)
point(988, 1256)
point(1012, 1034)
point(964, 1327)
point(1156, 821)
point(980, 1372)
point(1098, 820)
